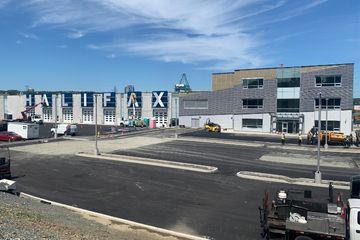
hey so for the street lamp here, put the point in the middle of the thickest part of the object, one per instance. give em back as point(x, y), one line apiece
point(326, 126)
point(318, 173)
point(96, 152)
point(56, 115)
point(176, 118)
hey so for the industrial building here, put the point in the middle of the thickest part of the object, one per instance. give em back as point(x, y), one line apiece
point(79, 107)
point(269, 100)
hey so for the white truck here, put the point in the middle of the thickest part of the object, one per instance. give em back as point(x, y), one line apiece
point(36, 118)
point(25, 130)
point(292, 217)
point(65, 129)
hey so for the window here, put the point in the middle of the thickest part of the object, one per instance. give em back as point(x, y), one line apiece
point(288, 105)
point(47, 112)
point(332, 80)
point(252, 103)
point(68, 114)
point(331, 103)
point(253, 83)
point(288, 82)
point(137, 114)
point(109, 116)
point(195, 104)
point(252, 123)
point(161, 117)
point(87, 115)
point(332, 125)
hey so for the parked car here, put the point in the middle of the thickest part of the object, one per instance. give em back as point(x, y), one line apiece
point(65, 129)
point(10, 136)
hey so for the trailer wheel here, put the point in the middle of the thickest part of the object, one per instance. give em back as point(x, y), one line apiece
point(303, 238)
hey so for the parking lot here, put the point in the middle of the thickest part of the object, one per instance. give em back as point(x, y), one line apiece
point(219, 205)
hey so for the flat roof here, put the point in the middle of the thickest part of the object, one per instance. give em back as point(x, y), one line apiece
point(321, 65)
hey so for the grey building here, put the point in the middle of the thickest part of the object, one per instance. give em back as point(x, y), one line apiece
point(282, 99)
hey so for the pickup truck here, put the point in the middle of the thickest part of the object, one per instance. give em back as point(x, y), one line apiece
point(292, 217)
point(65, 129)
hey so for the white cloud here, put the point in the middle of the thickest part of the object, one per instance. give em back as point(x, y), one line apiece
point(112, 56)
point(28, 35)
point(3, 3)
point(64, 46)
point(211, 34)
point(75, 34)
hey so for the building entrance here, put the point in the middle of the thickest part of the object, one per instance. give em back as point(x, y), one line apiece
point(287, 126)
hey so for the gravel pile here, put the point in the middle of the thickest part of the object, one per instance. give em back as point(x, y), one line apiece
point(22, 218)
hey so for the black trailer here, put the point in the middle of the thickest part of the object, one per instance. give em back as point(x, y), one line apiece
point(294, 215)
point(5, 161)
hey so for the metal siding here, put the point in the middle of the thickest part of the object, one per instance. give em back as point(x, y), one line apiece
point(308, 91)
point(229, 101)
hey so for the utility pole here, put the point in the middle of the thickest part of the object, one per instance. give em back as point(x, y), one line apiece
point(318, 173)
point(56, 97)
point(326, 126)
point(96, 127)
point(176, 118)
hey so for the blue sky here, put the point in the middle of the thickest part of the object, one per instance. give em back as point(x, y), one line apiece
point(96, 45)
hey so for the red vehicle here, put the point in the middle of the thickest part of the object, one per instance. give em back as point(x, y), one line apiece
point(9, 136)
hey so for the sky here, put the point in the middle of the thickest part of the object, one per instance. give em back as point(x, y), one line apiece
point(89, 45)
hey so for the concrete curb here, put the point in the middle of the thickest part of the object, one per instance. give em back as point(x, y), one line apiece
point(287, 180)
point(115, 219)
point(153, 162)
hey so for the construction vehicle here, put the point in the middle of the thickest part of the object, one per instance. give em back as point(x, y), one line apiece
point(183, 85)
point(212, 127)
point(32, 118)
point(332, 137)
point(5, 163)
point(295, 215)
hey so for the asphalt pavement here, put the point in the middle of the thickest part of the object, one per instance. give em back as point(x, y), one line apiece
point(242, 137)
point(221, 206)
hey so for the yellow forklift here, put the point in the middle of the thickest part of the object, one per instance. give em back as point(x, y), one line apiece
point(212, 127)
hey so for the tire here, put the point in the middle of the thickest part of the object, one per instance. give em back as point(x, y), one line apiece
point(303, 238)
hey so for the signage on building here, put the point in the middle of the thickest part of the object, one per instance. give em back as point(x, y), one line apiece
point(67, 100)
point(87, 99)
point(134, 99)
point(109, 99)
point(159, 99)
point(30, 100)
point(46, 98)
point(357, 108)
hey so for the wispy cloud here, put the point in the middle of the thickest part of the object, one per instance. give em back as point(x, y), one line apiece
point(210, 34)
point(28, 35)
point(111, 56)
point(3, 3)
point(64, 46)
point(75, 34)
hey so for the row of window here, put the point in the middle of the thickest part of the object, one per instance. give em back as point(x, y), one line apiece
point(283, 105)
point(258, 123)
point(320, 81)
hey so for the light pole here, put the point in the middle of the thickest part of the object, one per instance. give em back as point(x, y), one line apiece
point(176, 118)
point(97, 152)
point(55, 133)
point(326, 126)
point(318, 173)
